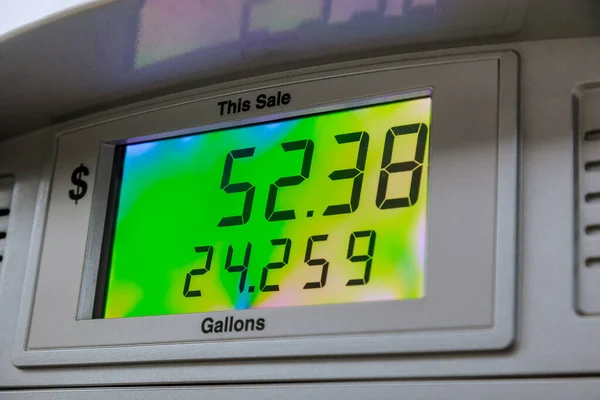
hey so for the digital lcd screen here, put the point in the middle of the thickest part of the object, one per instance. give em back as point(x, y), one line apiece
point(320, 209)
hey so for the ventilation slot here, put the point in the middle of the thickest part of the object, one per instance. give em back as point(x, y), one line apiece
point(586, 129)
point(6, 188)
point(589, 204)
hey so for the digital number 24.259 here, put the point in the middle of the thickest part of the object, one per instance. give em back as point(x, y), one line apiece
point(310, 260)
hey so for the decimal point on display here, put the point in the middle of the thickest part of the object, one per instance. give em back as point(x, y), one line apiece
point(251, 289)
point(309, 213)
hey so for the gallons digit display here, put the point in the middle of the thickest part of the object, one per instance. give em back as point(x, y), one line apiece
point(321, 209)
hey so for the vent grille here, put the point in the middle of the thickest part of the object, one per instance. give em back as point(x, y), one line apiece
point(6, 189)
point(589, 195)
point(586, 120)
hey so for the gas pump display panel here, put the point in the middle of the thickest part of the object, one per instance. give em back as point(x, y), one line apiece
point(367, 211)
point(321, 209)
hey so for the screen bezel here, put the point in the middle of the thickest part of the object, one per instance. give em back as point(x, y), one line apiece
point(115, 176)
point(483, 320)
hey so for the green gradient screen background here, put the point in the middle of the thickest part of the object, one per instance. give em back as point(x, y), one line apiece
point(171, 203)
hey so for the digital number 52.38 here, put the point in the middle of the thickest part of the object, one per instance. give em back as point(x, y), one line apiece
point(355, 173)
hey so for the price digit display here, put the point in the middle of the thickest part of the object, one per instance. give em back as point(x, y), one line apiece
point(366, 258)
point(357, 177)
point(242, 268)
point(275, 265)
point(356, 173)
point(414, 166)
point(308, 259)
point(242, 187)
point(198, 271)
point(308, 147)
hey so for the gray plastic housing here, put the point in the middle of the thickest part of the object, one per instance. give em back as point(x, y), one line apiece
point(550, 389)
point(470, 270)
point(551, 337)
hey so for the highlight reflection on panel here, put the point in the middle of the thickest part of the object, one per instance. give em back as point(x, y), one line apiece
point(169, 29)
point(281, 16)
point(320, 209)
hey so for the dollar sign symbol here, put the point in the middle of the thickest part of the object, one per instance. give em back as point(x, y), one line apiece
point(81, 185)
